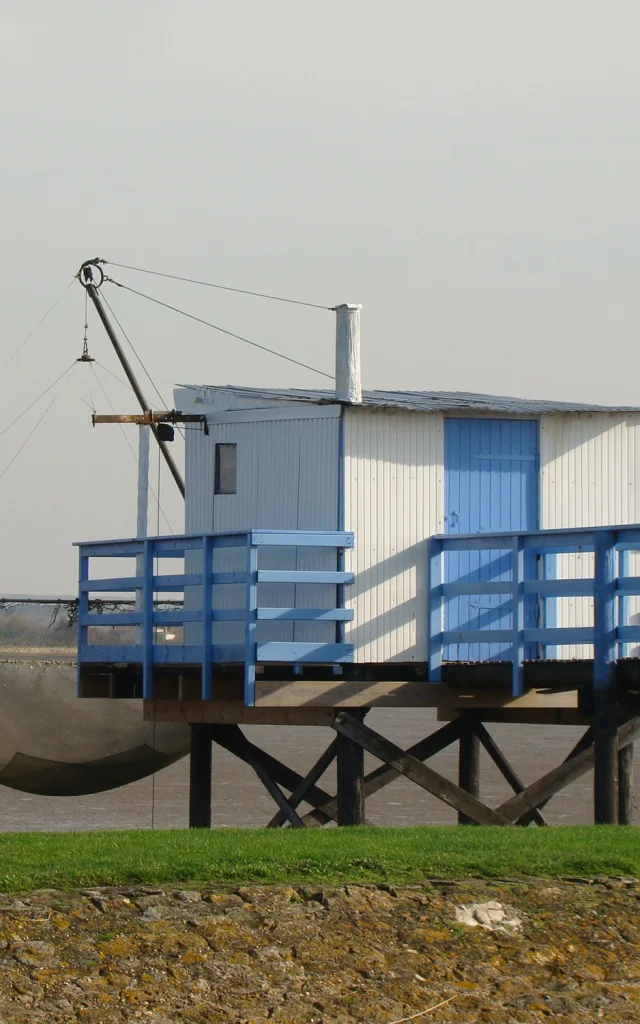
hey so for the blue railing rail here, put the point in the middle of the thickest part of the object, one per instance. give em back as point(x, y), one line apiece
point(199, 549)
point(610, 587)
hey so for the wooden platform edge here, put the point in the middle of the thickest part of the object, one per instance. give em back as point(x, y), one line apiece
point(307, 703)
point(217, 712)
point(514, 715)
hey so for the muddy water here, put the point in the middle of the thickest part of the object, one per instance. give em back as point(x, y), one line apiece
point(239, 799)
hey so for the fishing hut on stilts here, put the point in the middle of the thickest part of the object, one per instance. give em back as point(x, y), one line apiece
point(347, 550)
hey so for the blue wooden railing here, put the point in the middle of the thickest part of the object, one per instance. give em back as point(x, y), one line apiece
point(519, 571)
point(198, 552)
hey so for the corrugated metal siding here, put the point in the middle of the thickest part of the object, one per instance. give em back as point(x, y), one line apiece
point(198, 512)
point(394, 503)
point(287, 475)
point(589, 467)
point(287, 479)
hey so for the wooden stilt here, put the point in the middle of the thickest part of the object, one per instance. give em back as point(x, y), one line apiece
point(200, 777)
point(605, 709)
point(605, 741)
point(350, 771)
point(625, 785)
point(468, 764)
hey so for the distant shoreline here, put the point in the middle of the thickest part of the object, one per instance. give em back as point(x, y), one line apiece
point(27, 652)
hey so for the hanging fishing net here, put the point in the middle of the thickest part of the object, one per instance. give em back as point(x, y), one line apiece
point(54, 744)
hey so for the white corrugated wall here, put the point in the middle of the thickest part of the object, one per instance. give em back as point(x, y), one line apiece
point(589, 465)
point(287, 480)
point(394, 501)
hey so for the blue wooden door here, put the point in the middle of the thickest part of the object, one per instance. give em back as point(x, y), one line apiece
point(491, 484)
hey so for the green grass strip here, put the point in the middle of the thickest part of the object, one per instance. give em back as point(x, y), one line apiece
point(395, 855)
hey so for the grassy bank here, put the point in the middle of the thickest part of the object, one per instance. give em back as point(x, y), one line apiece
point(66, 860)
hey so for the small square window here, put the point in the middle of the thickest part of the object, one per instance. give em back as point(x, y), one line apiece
point(226, 470)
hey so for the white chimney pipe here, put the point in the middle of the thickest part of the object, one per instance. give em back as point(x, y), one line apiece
point(348, 375)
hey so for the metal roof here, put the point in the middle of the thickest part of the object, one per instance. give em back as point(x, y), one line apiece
point(418, 401)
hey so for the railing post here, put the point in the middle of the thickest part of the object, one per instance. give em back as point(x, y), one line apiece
point(340, 564)
point(83, 610)
point(517, 574)
point(605, 723)
point(435, 609)
point(251, 622)
point(207, 618)
point(624, 562)
point(549, 617)
point(147, 621)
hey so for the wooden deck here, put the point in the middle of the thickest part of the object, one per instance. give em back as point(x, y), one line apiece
point(555, 692)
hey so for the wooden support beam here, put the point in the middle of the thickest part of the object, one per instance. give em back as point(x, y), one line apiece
point(419, 773)
point(229, 710)
point(605, 779)
point(315, 773)
point(324, 804)
point(382, 776)
point(625, 785)
point(422, 751)
point(468, 763)
point(274, 790)
point(605, 706)
point(560, 777)
point(500, 761)
point(350, 775)
point(252, 755)
point(200, 777)
point(515, 715)
point(583, 743)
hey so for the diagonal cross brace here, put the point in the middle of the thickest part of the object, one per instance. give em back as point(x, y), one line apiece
point(227, 736)
point(233, 739)
point(385, 774)
point(245, 751)
point(561, 776)
point(312, 776)
point(417, 772)
point(583, 743)
point(501, 762)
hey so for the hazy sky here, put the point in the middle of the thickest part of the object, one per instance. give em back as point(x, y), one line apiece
point(466, 169)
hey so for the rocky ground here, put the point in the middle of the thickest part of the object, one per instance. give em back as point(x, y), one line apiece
point(508, 952)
